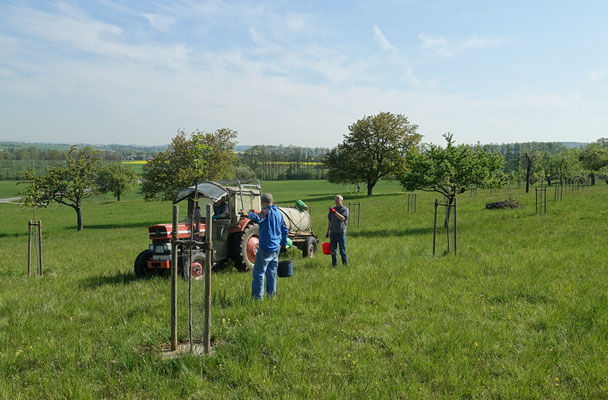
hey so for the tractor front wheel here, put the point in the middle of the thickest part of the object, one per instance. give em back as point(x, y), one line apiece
point(197, 266)
point(245, 247)
point(141, 265)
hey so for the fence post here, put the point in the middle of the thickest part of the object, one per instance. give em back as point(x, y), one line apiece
point(208, 262)
point(40, 247)
point(174, 236)
point(435, 228)
point(455, 228)
point(29, 248)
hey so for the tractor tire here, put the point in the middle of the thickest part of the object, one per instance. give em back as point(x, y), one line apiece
point(245, 247)
point(197, 266)
point(141, 265)
point(310, 247)
point(220, 265)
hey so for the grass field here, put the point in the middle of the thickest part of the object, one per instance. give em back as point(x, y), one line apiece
point(519, 313)
point(9, 189)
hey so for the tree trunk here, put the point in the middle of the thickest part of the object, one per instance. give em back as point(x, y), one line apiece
point(528, 175)
point(370, 188)
point(79, 217)
point(592, 179)
point(548, 181)
point(118, 196)
point(448, 211)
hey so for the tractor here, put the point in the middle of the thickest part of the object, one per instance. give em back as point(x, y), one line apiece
point(234, 237)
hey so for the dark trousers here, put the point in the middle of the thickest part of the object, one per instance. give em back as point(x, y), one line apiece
point(336, 239)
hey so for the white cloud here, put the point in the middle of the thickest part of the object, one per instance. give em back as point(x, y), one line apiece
point(596, 76)
point(382, 40)
point(441, 46)
point(160, 22)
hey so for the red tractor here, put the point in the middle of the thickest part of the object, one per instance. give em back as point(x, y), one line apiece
point(234, 238)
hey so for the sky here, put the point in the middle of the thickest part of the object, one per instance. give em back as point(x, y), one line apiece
point(300, 72)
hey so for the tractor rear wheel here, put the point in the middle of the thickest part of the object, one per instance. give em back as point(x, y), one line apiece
point(197, 266)
point(245, 247)
point(141, 265)
point(310, 247)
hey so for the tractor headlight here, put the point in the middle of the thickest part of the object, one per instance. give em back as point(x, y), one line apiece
point(151, 248)
point(162, 248)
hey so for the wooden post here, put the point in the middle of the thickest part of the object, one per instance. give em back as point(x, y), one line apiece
point(455, 228)
point(29, 249)
point(208, 262)
point(40, 247)
point(435, 228)
point(174, 235)
point(447, 226)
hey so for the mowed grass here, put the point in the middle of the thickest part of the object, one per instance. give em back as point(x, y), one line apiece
point(9, 189)
point(520, 312)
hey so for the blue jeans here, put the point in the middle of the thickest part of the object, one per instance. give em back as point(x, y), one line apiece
point(266, 264)
point(334, 240)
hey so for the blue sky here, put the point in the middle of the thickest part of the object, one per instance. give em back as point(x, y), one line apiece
point(300, 72)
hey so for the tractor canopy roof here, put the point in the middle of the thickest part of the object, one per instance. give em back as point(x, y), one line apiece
point(216, 190)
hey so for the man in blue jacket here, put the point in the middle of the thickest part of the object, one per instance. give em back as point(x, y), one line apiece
point(273, 236)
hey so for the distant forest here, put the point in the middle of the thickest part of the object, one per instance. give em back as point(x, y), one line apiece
point(260, 161)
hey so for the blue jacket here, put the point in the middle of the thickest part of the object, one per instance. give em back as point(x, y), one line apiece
point(273, 232)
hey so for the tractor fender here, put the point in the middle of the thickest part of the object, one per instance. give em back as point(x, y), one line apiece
point(240, 227)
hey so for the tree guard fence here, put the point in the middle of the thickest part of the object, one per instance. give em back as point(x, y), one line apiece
point(448, 208)
point(541, 200)
point(187, 244)
point(355, 212)
point(411, 203)
point(35, 235)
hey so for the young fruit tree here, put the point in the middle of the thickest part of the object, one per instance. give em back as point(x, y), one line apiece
point(374, 149)
point(66, 184)
point(115, 178)
point(202, 156)
point(452, 170)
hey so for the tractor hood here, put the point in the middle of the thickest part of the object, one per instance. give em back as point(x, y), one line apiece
point(210, 190)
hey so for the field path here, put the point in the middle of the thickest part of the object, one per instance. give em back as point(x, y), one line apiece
point(10, 199)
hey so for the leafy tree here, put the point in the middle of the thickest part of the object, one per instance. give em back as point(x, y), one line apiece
point(594, 157)
point(116, 178)
point(374, 148)
point(452, 170)
point(66, 184)
point(337, 160)
point(244, 173)
point(202, 156)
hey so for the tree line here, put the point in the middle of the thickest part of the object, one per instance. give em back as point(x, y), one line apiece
point(14, 162)
point(283, 162)
point(376, 147)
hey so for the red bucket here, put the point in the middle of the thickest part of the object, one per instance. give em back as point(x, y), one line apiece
point(326, 248)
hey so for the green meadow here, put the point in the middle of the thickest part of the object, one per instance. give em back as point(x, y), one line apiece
point(520, 312)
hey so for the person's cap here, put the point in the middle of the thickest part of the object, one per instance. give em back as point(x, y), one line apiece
point(266, 198)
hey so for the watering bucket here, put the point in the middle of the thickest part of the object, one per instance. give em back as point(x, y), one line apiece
point(326, 248)
point(285, 269)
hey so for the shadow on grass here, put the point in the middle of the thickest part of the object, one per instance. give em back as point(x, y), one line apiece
point(72, 228)
point(390, 232)
point(142, 224)
point(13, 235)
point(119, 278)
point(331, 197)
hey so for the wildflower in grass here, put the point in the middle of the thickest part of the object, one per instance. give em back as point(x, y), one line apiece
point(18, 352)
point(476, 344)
